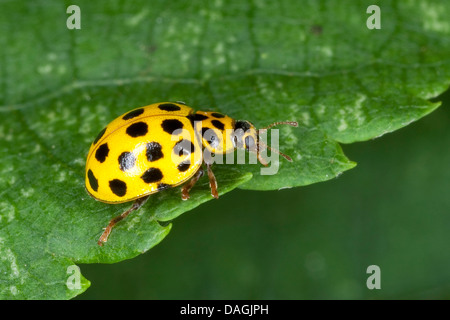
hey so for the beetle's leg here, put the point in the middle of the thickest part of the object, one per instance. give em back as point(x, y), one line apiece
point(212, 182)
point(136, 205)
point(188, 186)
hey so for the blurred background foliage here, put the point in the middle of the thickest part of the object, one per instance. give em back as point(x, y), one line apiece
point(313, 242)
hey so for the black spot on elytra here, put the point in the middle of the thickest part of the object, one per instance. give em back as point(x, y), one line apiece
point(152, 175)
point(100, 135)
point(169, 107)
point(217, 115)
point(163, 186)
point(102, 152)
point(133, 114)
point(118, 187)
point(183, 166)
point(153, 151)
point(199, 117)
point(92, 180)
point(126, 161)
point(170, 125)
point(211, 137)
point(219, 125)
point(196, 117)
point(137, 129)
point(183, 147)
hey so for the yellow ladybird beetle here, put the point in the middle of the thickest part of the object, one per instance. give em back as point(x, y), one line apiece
point(160, 146)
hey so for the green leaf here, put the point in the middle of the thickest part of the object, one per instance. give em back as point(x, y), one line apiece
point(313, 62)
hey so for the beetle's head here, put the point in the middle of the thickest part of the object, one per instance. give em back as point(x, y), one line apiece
point(246, 136)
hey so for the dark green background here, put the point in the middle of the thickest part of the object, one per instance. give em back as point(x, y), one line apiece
point(312, 242)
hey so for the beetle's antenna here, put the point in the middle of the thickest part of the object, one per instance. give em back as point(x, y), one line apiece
point(291, 123)
point(262, 145)
point(275, 150)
